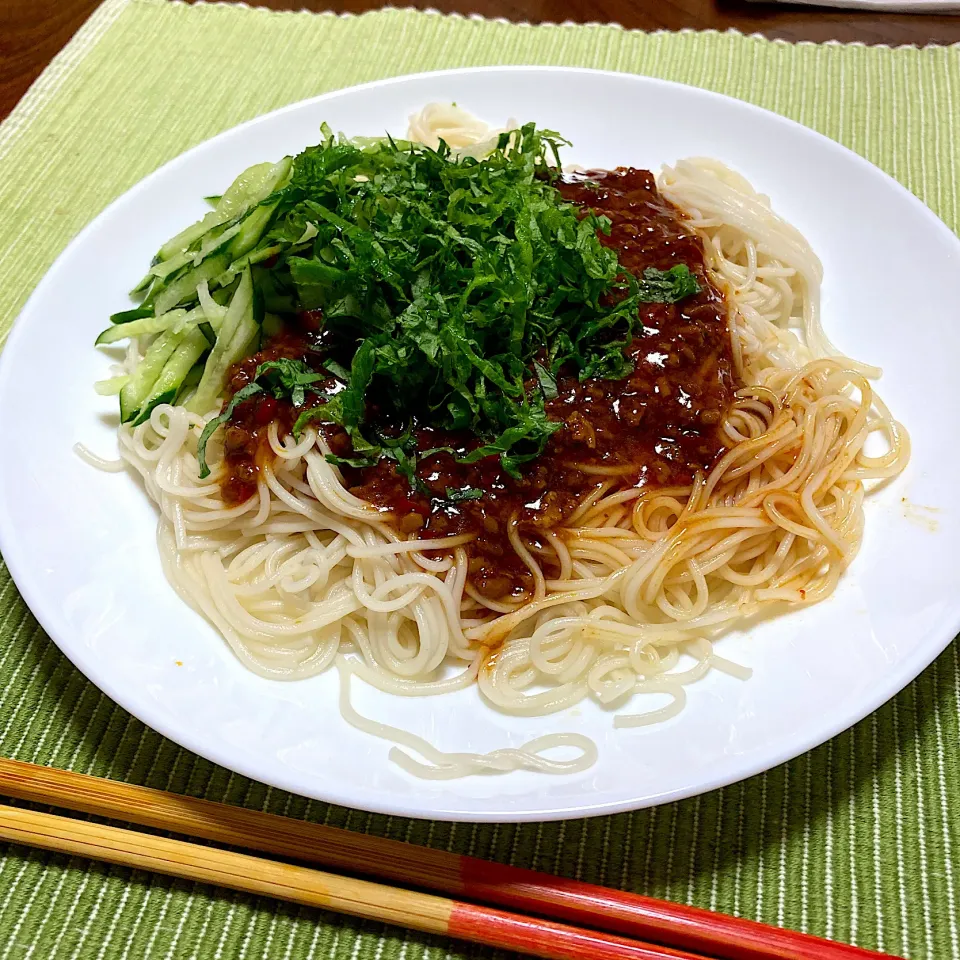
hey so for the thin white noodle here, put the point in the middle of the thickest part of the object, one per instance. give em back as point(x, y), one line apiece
point(450, 766)
point(101, 463)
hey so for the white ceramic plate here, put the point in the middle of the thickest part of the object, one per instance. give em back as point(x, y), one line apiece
point(80, 543)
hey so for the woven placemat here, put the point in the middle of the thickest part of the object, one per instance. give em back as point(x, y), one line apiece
point(853, 841)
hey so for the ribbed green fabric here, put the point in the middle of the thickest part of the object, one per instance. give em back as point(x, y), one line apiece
point(854, 840)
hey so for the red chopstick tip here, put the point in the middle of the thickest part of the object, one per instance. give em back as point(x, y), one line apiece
point(634, 915)
point(543, 938)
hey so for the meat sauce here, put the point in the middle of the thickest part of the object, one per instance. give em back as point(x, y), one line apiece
point(657, 426)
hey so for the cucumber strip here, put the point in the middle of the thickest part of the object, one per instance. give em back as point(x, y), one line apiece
point(142, 285)
point(164, 269)
point(213, 312)
point(178, 320)
point(207, 330)
point(190, 382)
point(183, 240)
point(112, 386)
point(125, 316)
point(252, 228)
point(215, 243)
point(192, 318)
point(192, 259)
point(256, 183)
point(136, 389)
point(245, 341)
point(165, 388)
point(237, 331)
point(185, 288)
point(149, 293)
point(224, 293)
point(141, 327)
point(240, 306)
point(255, 256)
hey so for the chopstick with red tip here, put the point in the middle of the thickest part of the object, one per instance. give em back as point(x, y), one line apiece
point(530, 894)
point(315, 888)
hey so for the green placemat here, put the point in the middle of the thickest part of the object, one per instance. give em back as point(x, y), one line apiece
point(853, 841)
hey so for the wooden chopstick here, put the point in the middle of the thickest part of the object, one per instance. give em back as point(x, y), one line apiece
point(359, 898)
point(644, 918)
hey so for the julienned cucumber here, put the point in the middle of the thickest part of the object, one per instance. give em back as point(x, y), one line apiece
point(140, 327)
point(185, 287)
point(179, 320)
point(252, 186)
point(237, 332)
point(137, 388)
point(215, 240)
point(126, 316)
point(167, 385)
point(190, 382)
point(251, 230)
point(255, 256)
point(214, 249)
point(243, 237)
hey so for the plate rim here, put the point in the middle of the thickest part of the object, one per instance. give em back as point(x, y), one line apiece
point(19, 565)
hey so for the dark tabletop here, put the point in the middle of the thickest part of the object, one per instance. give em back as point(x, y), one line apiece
point(32, 31)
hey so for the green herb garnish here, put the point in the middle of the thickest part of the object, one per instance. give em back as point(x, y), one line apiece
point(358, 463)
point(667, 286)
point(245, 393)
point(459, 495)
point(548, 382)
point(289, 378)
point(453, 274)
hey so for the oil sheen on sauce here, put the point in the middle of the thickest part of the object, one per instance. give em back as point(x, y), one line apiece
point(658, 426)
